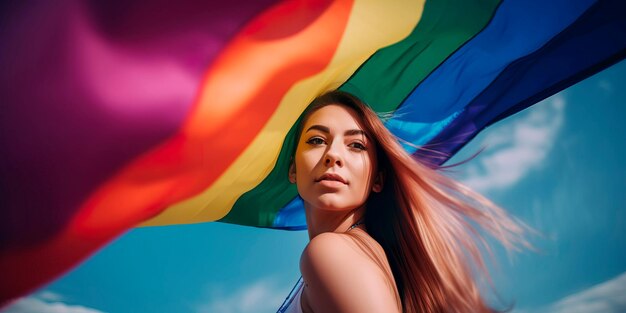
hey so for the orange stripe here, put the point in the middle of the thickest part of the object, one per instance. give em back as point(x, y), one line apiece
point(241, 91)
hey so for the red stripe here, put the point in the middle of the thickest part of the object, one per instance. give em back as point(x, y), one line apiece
point(235, 104)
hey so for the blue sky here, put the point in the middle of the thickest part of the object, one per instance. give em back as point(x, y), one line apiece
point(558, 166)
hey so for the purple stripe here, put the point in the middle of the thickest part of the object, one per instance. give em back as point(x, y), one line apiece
point(87, 87)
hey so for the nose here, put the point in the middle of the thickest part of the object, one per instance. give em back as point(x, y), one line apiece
point(332, 158)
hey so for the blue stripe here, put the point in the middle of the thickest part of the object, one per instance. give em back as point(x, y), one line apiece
point(529, 51)
point(595, 41)
point(517, 29)
point(291, 216)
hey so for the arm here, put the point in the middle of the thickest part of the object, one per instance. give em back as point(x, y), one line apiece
point(343, 279)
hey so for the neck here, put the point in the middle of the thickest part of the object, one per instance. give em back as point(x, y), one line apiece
point(322, 221)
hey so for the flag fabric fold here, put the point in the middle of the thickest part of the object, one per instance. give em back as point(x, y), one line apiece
point(118, 115)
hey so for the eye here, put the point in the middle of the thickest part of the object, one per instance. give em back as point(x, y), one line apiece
point(358, 146)
point(315, 141)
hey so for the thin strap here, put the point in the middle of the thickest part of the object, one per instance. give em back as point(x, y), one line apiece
point(355, 225)
point(289, 298)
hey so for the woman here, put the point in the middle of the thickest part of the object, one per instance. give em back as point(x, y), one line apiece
point(387, 233)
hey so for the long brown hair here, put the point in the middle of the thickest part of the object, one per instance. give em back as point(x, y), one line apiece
point(423, 221)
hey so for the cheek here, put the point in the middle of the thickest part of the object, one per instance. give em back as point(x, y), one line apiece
point(305, 162)
point(362, 176)
point(362, 168)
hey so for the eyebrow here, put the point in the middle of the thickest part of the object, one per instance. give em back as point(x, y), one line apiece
point(350, 132)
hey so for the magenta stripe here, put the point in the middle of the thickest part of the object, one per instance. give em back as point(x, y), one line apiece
point(88, 86)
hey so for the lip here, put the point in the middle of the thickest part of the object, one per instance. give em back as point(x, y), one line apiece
point(332, 177)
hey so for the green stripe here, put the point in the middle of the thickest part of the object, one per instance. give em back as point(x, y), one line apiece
point(388, 77)
point(258, 207)
point(383, 82)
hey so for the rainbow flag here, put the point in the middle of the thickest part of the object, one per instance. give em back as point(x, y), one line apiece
point(125, 114)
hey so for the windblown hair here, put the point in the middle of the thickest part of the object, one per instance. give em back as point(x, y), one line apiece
point(424, 222)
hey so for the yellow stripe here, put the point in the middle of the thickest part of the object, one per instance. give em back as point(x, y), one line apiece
point(372, 25)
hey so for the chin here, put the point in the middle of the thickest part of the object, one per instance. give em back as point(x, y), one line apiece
point(333, 204)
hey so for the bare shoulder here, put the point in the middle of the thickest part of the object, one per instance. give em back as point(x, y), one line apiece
point(340, 277)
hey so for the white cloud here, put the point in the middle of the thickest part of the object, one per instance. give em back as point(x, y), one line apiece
point(260, 296)
point(34, 304)
point(513, 149)
point(606, 297)
point(50, 296)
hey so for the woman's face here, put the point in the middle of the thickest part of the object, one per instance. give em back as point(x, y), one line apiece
point(335, 162)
